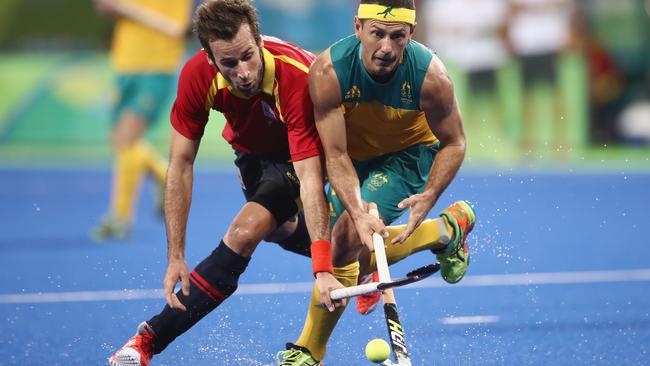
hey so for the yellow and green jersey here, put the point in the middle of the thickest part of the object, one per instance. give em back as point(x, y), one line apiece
point(137, 48)
point(382, 117)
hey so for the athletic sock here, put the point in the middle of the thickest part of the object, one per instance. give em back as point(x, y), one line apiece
point(320, 322)
point(211, 282)
point(128, 171)
point(153, 161)
point(427, 236)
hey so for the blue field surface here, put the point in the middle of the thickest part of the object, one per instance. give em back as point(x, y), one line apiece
point(560, 275)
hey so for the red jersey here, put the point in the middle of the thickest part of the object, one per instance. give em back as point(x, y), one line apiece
point(278, 118)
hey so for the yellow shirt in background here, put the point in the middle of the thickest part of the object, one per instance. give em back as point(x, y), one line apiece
point(137, 48)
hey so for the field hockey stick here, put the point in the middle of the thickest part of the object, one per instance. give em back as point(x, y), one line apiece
point(411, 277)
point(395, 330)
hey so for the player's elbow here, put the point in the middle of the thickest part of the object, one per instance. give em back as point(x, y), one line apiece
point(181, 164)
point(456, 142)
point(310, 175)
point(461, 144)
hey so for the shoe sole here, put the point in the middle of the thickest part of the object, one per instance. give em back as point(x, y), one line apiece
point(127, 357)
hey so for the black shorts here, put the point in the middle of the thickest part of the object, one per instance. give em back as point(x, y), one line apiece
point(483, 81)
point(271, 181)
point(538, 69)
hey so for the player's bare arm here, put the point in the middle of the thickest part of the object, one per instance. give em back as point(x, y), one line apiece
point(178, 196)
point(310, 174)
point(438, 102)
point(330, 122)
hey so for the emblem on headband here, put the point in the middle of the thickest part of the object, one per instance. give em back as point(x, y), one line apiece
point(386, 12)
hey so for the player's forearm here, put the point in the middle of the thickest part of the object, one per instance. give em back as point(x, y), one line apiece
point(316, 210)
point(312, 194)
point(178, 197)
point(345, 182)
point(445, 166)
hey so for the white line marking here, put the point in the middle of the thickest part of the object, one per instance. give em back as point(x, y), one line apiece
point(521, 279)
point(542, 278)
point(478, 319)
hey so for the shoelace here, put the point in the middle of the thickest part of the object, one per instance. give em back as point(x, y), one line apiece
point(289, 357)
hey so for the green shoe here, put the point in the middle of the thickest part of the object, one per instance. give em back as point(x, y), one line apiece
point(454, 259)
point(296, 356)
point(110, 228)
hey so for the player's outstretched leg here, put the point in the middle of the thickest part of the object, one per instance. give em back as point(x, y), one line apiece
point(211, 282)
point(296, 356)
point(454, 259)
point(137, 351)
point(156, 166)
point(452, 253)
point(311, 346)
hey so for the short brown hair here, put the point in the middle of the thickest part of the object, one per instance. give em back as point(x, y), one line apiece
point(405, 4)
point(221, 20)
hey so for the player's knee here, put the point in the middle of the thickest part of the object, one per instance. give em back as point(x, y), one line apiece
point(344, 233)
point(283, 231)
point(346, 241)
point(129, 129)
point(295, 237)
point(243, 238)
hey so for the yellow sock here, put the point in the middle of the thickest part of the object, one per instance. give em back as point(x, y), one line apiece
point(128, 171)
point(320, 322)
point(430, 234)
point(152, 160)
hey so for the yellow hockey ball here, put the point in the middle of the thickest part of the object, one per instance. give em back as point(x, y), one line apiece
point(377, 350)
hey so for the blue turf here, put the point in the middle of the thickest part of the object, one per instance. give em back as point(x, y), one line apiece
point(528, 222)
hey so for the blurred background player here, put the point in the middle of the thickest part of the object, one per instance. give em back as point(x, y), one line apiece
point(392, 134)
point(148, 43)
point(468, 35)
point(539, 32)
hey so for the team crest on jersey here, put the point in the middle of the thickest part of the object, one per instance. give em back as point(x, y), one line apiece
point(407, 97)
point(268, 111)
point(377, 180)
point(353, 93)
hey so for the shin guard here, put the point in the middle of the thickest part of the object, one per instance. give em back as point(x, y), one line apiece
point(211, 282)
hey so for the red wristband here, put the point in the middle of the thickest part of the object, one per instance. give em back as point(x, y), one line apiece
point(321, 257)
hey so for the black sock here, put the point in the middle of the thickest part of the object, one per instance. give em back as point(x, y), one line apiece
point(299, 242)
point(211, 282)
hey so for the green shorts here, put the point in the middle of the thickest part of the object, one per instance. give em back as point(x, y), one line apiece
point(389, 179)
point(142, 94)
